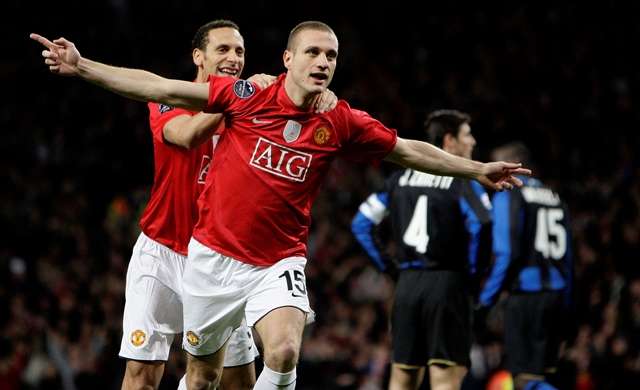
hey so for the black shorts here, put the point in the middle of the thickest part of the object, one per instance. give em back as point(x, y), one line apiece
point(534, 326)
point(431, 319)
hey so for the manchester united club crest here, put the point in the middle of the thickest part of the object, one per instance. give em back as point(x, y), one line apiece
point(321, 135)
point(138, 337)
point(192, 338)
point(291, 131)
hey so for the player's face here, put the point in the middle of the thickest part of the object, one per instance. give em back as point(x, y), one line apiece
point(465, 142)
point(313, 60)
point(224, 54)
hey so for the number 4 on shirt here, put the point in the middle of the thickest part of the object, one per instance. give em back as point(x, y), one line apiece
point(416, 234)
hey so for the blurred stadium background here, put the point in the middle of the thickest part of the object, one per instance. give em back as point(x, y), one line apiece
point(76, 167)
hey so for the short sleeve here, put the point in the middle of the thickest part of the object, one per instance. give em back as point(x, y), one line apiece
point(159, 115)
point(226, 92)
point(367, 138)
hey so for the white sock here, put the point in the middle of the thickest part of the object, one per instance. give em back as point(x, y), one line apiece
point(271, 380)
point(183, 383)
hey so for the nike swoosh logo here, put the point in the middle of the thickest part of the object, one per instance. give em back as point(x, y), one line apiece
point(296, 295)
point(260, 122)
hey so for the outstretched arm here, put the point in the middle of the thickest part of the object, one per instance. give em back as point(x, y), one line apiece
point(425, 157)
point(63, 58)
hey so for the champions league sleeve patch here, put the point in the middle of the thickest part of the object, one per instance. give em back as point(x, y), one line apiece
point(243, 89)
point(164, 108)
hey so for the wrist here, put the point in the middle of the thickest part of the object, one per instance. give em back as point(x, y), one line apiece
point(82, 67)
point(477, 169)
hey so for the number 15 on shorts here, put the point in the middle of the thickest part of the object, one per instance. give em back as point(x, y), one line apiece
point(295, 279)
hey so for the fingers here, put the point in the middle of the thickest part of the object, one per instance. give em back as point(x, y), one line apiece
point(261, 80)
point(50, 54)
point(334, 101)
point(504, 183)
point(516, 168)
point(515, 181)
point(511, 165)
point(44, 41)
point(62, 42)
point(320, 104)
point(485, 181)
point(521, 171)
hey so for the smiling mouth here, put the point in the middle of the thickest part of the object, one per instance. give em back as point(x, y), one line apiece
point(226, 71)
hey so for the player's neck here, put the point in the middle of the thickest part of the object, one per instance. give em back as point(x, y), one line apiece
point(202, 76)
point(299, 97)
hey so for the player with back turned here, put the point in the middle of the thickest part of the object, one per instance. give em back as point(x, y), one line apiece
point(533, 262)
point(441, 227)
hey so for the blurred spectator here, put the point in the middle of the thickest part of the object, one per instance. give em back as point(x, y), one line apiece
point(562, 78)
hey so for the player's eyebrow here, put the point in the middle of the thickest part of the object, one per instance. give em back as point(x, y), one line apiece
point(329, 53)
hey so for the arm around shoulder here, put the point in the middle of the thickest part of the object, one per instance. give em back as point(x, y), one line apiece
point(191, 131)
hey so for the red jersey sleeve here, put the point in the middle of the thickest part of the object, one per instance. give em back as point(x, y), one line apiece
point(367, 138)
point(159, 115)
point(226, 92)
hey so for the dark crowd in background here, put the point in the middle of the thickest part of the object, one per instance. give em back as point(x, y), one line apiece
point(76, 168)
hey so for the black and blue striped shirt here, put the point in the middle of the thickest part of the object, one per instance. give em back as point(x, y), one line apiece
point(437, 222)
point(531, 242)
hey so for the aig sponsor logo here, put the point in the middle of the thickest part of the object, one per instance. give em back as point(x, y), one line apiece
point(280, 160)
point(204, 169)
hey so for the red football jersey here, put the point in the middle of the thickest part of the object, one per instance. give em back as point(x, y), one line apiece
point(272, 159)
point(179, 177)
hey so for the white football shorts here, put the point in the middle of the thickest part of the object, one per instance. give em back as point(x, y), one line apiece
point(219, 291)
point(153, 307)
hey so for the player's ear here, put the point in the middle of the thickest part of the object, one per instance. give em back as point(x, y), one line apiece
point(448, 141)
point(198, 57)
point(286, 58)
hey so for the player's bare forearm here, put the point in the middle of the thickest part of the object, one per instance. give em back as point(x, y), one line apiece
point(425, 157)
point(191, 131)
point(144, 86)
point(63, 58)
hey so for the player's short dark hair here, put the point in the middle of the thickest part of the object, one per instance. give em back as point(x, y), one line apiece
point(513, 151)
point(201, 39)
point(308, 25)
point(442, 122)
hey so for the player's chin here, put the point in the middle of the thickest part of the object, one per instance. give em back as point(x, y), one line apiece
point(315, 88)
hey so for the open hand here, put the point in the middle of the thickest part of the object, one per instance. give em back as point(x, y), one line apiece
point(500, 175)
